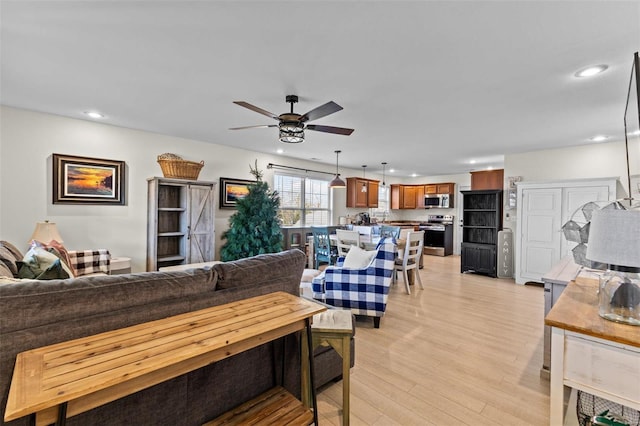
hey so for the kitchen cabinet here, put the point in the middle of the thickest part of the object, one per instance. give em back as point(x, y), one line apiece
point(439, 188)
point(412, 196)
point(487, 179)
point(420, 191)
point(404, 197)
point(482, 220)
point(362, 192)
point(180, 223)
point(445, 188)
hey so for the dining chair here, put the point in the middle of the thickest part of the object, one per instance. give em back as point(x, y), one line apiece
point(323, 251)
point(389, 231)
point(346, 239)
point(410, 259)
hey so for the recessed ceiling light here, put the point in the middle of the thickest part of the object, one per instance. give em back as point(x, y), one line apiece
point(94, 114)
point(279, 150)
point(414, 175)
point(591, 71)
point(599, 138)
point(490, 168)
point(392, 170)
point(472, 162)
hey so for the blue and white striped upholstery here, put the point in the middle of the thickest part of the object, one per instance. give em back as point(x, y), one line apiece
point(363, 291)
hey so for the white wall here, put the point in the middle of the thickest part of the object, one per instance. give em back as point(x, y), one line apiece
point(28, 139)
point(579, 162)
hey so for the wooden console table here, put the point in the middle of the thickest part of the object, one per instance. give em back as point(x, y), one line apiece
point(65, 379)
point(590, 353)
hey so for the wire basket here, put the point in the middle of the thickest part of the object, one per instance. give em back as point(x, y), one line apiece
point(180, 169)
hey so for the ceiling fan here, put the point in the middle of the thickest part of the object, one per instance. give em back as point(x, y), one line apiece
point(292, 125)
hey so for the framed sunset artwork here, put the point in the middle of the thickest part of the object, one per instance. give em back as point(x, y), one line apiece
point(84, 180)
point(232, 190)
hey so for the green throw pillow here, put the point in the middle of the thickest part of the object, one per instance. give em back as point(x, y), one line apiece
point(40, 264)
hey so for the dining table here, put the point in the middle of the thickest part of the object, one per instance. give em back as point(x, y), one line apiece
point(367, 242)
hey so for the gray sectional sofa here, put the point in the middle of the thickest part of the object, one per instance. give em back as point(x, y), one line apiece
point(39, 313)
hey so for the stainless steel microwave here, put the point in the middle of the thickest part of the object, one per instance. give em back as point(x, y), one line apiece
point(436, 201)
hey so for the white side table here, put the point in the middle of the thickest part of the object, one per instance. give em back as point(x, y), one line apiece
point(120, 265)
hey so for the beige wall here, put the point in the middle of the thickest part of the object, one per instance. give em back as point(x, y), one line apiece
point(28, 139)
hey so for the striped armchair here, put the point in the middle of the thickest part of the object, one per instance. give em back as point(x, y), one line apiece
point(363, 291)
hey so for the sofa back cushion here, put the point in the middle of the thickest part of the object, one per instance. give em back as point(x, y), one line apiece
point(36, 303)
point(278, 269)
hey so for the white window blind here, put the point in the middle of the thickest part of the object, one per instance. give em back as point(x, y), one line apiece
point(303, 201)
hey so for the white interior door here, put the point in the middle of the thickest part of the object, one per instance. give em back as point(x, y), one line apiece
point(540, 233)
point(572, 199)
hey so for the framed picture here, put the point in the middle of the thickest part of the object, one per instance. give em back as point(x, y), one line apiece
point(84, 180)
point(232, 190)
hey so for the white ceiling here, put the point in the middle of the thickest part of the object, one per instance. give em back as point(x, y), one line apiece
point(427, 85)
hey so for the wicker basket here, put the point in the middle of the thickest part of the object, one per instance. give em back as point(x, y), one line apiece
point(180, 169)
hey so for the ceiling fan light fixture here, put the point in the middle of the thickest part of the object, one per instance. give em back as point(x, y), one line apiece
point(291, 126)
point(291, 131)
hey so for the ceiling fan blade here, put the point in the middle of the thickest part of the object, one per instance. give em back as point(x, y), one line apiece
point(253, 127)
point(329, 129)
point(323, 110)
point(256, 109)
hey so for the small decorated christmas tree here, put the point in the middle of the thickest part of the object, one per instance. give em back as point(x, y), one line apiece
point(254, 228)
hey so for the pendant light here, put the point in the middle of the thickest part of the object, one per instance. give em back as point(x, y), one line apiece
point(337, 182)
point(384, 166)
point(364, 176)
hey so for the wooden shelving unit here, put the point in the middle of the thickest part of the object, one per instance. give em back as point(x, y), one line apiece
point(482, 220)
point(180, 226)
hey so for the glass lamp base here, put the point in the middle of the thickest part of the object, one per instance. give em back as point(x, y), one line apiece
point(619, 297)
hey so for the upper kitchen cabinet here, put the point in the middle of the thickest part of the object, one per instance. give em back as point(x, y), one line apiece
point(404, 196)
point(431, 189)
point(439, 188)
point(445, 188)
point(414, 196)
point(362, 192)
point(487, 179)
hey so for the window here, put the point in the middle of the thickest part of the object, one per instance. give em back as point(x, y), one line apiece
point(303, 201)
point(382, 211)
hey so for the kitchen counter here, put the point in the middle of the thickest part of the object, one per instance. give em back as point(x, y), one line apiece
point(401, 223)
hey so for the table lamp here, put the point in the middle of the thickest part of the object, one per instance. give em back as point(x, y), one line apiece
point(46, 232)
point(614, 239)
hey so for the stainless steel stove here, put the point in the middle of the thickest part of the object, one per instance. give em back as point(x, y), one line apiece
point(438, 235)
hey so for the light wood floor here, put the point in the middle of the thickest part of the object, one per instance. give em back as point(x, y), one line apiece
point(466, 350)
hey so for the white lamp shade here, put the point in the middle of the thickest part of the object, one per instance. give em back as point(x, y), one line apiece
point(614, 238)
point(46, 232)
